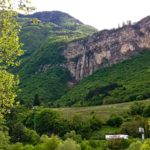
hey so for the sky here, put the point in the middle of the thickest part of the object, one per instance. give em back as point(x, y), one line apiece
point(102, 14)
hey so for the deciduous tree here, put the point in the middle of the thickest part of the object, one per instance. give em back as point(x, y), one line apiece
point(10, 50)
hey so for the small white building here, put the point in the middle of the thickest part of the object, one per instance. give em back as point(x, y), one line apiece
point(116, 136)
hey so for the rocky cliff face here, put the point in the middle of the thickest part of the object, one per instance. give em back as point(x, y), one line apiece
point(106, 48)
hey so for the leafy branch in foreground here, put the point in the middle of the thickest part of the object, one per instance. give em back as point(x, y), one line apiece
point(10, 50)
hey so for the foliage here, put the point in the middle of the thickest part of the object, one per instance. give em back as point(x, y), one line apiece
point(131, 127)
point(136, 109)
point(49, 85)
point(10, 50)
point(9, 41)
point(122, 82)
point(114, 121)
point(135, 146)
point(146, 145)
point(22, 134)
point(4, 137)
point(4, 140)
point(95, 123)
point(69, 145)
point(46, 122)
point(72, 135)
point(36, 101)
point(146, 111)
point(49, 143)
point(8, 86)
point(118, 144)
point(44, 43)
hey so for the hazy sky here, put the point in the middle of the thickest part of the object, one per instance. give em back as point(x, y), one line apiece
point(102, 14)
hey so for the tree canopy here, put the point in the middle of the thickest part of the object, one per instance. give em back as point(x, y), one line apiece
point(10, 50)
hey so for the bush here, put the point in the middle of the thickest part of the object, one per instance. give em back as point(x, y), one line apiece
point(72, 135)
point(48, 143)
point(69, 145)
point(146, 145)
point(114, 121)
point(30, 136)
point(118, 144)
point(85, 145)
point(136, 108)
point(4, 140)
point(46, 121)
point(146, 112)
point(135, 146)
point(4, 137)
point(95, 123)
point(132, 127)
point(22, 134)
point(17, 146)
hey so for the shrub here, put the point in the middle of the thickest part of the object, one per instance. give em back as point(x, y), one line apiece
point(118, 144)
point(22, 134)
point(146, 145)
point(69, 145)
point(48, 143)
point(146, 112)
point(46, 121)
point(114, 121)
point(132, 127)
point(95, 123)
point(135, 146)
point(85, 145)
point(136, 109)
point(72, 135)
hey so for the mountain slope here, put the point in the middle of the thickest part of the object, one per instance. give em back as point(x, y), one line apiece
point(49, 25)
point(106, 48)
point(56, 17)
point(68, 52)
point(44, 42)
point(122, 82)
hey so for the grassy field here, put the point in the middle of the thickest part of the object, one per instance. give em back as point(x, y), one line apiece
point(103, 111)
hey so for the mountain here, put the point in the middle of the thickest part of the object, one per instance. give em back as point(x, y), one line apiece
point(56, 17)
point(43, 44)
point(122, 82)
point(106, 48)
point(40, 27)
point(59, 57)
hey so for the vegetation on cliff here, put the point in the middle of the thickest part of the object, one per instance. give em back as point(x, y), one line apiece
point(122, 82)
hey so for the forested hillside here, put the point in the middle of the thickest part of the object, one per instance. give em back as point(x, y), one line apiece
point(122, 82)
point(59, 54)
point(45, 35)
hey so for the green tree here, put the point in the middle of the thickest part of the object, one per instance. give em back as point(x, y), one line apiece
point(8, 86)
point(48, 143)
point(136, 109)
point(114, 121)
point(146, 145)
point(46, 121)
point(10, 50)
point(146, 111)
point(36, 101)
point(22, 134)
point(4, 138)
point(72, 135)
point(135, 146)
point(132, 127)
point(69, 144)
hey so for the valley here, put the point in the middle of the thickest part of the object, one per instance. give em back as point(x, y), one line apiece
point(64, 85)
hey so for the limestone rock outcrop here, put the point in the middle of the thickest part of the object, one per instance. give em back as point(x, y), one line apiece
point(106, 48)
